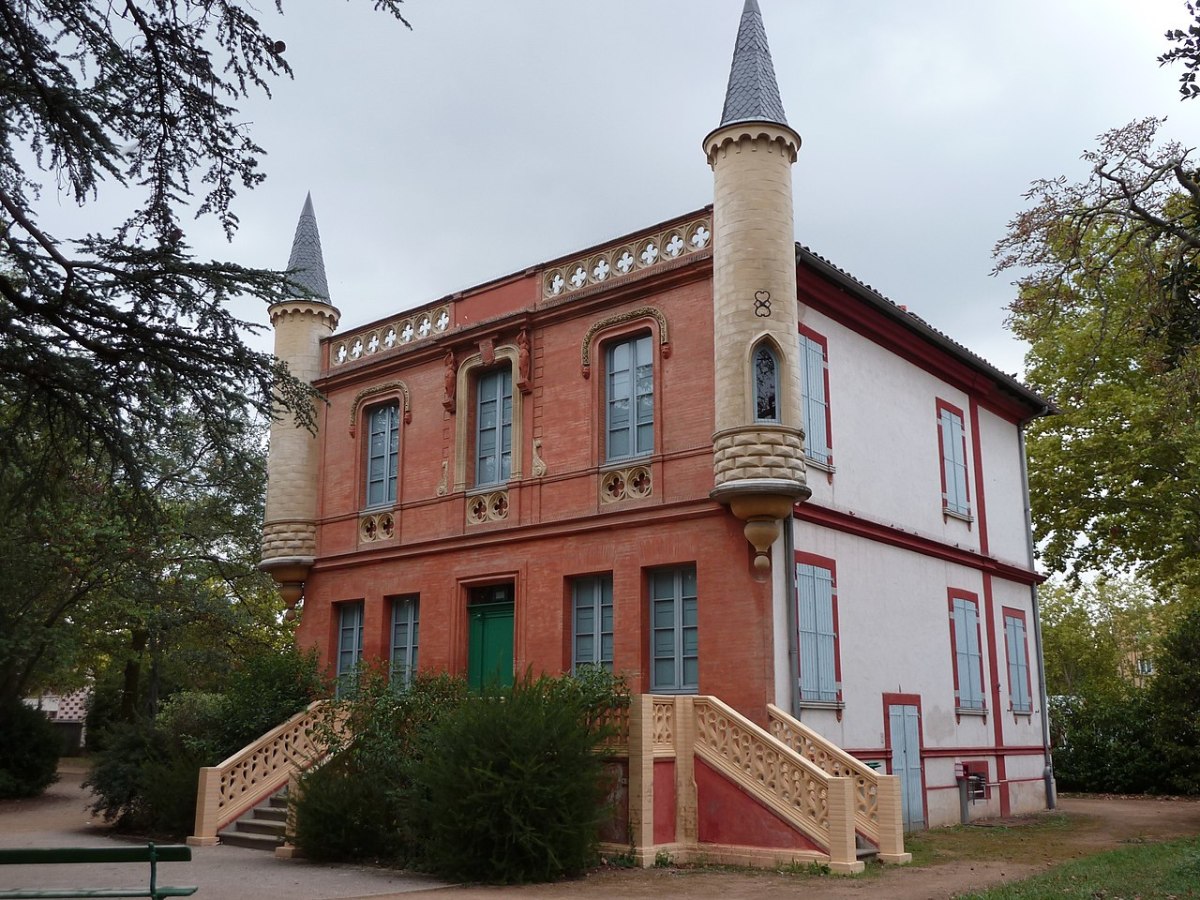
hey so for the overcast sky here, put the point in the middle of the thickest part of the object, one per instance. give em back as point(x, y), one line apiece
point(495, 136)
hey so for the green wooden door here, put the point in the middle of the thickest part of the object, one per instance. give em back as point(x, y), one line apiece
point(490, 645)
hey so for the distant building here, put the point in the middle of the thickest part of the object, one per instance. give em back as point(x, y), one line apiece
point(698, 454)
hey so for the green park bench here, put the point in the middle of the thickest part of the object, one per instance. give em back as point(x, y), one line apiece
point(60, 856)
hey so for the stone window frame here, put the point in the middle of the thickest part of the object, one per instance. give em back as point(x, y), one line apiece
point(604, 333)
point(369, 398)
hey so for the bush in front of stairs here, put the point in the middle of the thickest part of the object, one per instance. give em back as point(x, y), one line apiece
point(29, 751)
point(508, 786)
point(355, 807)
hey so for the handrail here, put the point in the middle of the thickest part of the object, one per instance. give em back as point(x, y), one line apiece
point(876, 797)
point(790, 785)
point(252, 774)
point(834, 761)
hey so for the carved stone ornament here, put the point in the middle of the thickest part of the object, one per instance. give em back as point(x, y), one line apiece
point(524, 385)
point(367, 393)
point(642, 312)
point(443, 482)
point(539, 464)
point(376, 527)
point(449, 381)
point(492, 507)
point(633, 483)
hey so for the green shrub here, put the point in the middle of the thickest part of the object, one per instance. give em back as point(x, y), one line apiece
point(354, 808)
point(1106, 744)
point(266, 690)
point(29, 751)
point(146, 773)
point(509, 787)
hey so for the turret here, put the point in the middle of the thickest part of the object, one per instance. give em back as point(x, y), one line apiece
point(758, 442)
point(290, 525)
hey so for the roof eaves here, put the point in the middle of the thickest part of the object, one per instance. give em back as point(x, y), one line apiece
point(918, 325)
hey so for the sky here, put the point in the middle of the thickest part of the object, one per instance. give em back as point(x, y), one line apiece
point(496, 136)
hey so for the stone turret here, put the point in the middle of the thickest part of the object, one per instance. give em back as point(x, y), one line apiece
point(758, 441)
point(290, 525)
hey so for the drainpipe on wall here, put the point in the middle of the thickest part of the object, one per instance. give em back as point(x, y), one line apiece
point(789, 580)
point(1048, 770)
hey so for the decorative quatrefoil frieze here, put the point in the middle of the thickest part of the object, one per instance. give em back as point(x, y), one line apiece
point(614, 263)
point(410, 329)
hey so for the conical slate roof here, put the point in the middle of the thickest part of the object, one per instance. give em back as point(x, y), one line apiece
point(306, 266)
point(753, 94)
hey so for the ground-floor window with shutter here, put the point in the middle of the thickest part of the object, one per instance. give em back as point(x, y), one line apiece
point(816, 618)
point(350, 635)
point(406, 626)
point(592, 615)
point(674, 621)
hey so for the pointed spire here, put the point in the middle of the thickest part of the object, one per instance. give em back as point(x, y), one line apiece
point(306, 266)
point(753, 94)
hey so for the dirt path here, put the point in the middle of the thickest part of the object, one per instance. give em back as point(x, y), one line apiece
point(1101, 823)
point(950, 863)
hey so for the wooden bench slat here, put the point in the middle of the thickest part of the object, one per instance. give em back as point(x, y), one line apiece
point(60, 855)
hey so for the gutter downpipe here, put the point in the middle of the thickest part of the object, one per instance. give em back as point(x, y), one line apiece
point(789, 580)
point(1048, 769)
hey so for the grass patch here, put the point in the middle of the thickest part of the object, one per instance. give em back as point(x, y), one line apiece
point(1143, 871)
point(1041, 838)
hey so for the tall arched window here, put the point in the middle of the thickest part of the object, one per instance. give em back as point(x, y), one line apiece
point(383, 448)
point(766, 384)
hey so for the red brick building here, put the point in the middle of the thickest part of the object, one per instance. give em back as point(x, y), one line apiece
point(697, 454)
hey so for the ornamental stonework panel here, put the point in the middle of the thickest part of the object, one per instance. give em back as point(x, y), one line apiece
point(634, 483)
point(491, 507)
point(376, 527)
point(758, 452)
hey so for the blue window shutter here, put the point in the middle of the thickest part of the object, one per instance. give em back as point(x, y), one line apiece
point(1018, 665)
point(968, 657)
point(593, 622)
point(818, 637)
point(405, 638)
point(954, 463)
point(814, 401)
point(674, 624)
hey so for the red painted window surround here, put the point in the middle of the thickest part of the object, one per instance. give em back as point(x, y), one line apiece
point(823, 343)
point(823, 562)
point(953, 594)
point(945, 407)
point(1007, 612)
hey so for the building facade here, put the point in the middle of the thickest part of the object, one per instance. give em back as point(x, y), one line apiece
point(698, 455)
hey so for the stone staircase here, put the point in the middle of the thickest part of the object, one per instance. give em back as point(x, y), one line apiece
point(260, 828)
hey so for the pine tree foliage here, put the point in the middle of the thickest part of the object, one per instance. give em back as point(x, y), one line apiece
point(101, 332)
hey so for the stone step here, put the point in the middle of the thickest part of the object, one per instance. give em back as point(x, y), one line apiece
point(233, 838)
point(271, 813)
point(260, 826)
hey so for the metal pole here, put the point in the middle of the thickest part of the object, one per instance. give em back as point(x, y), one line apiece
point(1048, 768)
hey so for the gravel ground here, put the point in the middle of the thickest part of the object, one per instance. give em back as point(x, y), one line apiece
point(60, 819)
